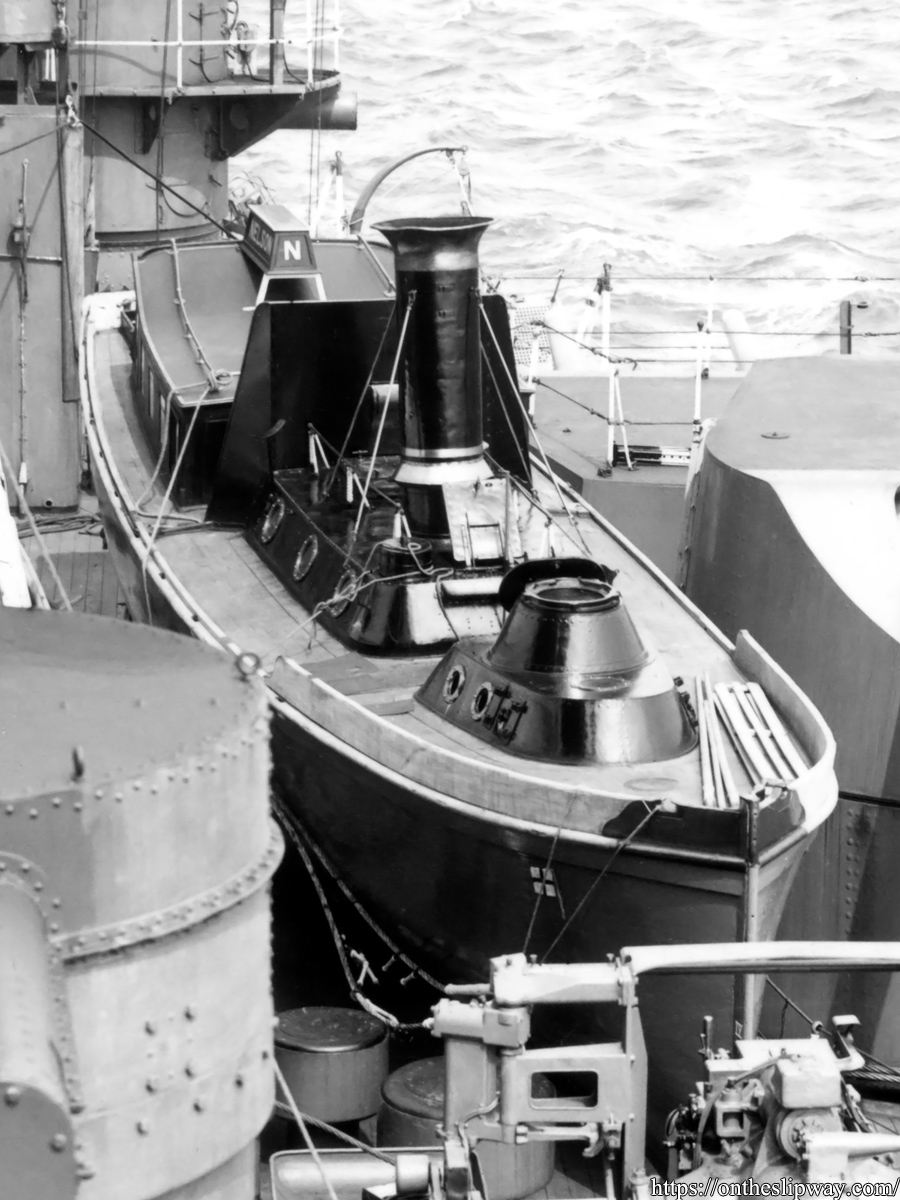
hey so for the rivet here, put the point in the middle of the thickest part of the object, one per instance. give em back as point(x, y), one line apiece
point(143, 1127)
point(152, 1085)
point(2, 866)
point(150, 1027)
point(10, 809)
point(33, 812)
point(78, 806)
point(137, 785)
point(25, 867)
point(56, 902)
point(154, 789)
point(189, 1070)
point(54, 928)
point(58, 1142)
point(117, 796)
point(99, 793)
point(56, 802)
point(12, 1096)
point(38, 886)
point(198, 1106)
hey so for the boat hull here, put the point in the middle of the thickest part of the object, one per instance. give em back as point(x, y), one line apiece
point(457, 885)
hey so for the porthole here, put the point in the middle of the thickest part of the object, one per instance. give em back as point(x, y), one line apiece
point(343, 593)
point(306, 556)
point(273, 518)
point(454, 683)
point(481, 700)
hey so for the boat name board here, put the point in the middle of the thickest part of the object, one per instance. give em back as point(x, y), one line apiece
point(278, 251)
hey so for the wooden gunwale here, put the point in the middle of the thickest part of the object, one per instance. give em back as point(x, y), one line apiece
point(493, 817)
point(196, 619)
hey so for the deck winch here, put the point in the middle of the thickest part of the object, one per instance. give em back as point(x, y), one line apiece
point(569, 677)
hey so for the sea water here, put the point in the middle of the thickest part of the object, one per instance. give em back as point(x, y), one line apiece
point(753, 141)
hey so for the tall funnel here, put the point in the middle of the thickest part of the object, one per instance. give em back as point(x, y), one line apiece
point(441, 422)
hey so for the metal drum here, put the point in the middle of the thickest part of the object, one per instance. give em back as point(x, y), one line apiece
point(413, 1107)
point(135, 853)
point(334, 1061)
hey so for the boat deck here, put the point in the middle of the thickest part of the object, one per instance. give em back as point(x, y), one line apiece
point(77, 548)
point(235, 599)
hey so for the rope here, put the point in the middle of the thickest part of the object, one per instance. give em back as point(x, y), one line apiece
point(164, 186)
point(298, 1117)
point(214, 378)
point(589, 893)
point(329, 483)
point(21, 145)
point(602, 416)
point(537, 440)
point(301, 842)
point(692, 333)
point(35, 531)
point(411, 299)
point(705, 278)
point(347, 1138)
point(523, 457)
point(796, 1007)
point(595, 350)
point(162, 508)
point(541, 890)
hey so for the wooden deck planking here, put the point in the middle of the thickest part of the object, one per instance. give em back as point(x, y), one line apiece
point(232, 585)
point(84, 566)
point(245, 599)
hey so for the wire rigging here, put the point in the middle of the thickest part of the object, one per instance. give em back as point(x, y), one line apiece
point(230, 234)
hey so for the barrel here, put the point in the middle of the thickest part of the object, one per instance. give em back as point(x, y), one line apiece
point(334, 1061)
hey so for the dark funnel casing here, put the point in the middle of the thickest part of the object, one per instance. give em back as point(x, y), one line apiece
point(441, 423)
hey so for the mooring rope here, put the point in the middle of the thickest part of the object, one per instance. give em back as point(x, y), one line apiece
point(298, 840)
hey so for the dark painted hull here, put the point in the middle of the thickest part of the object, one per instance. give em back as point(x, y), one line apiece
point(454, 883)
point(458, 889)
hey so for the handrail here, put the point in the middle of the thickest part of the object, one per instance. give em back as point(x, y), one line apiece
point(275, 42)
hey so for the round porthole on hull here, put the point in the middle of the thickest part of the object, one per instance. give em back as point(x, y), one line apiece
point(271, 521)
point(481, 700)
point(454, 683)
point(306, 556)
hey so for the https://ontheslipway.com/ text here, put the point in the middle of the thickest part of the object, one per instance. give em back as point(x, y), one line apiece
point(713, 1188)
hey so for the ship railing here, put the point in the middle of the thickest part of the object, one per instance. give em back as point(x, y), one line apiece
point(559, 338)
point(243, 43)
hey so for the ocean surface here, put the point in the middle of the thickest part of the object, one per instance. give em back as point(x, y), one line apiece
point(731, 138)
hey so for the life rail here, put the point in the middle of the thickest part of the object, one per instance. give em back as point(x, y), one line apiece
point(235, 40)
